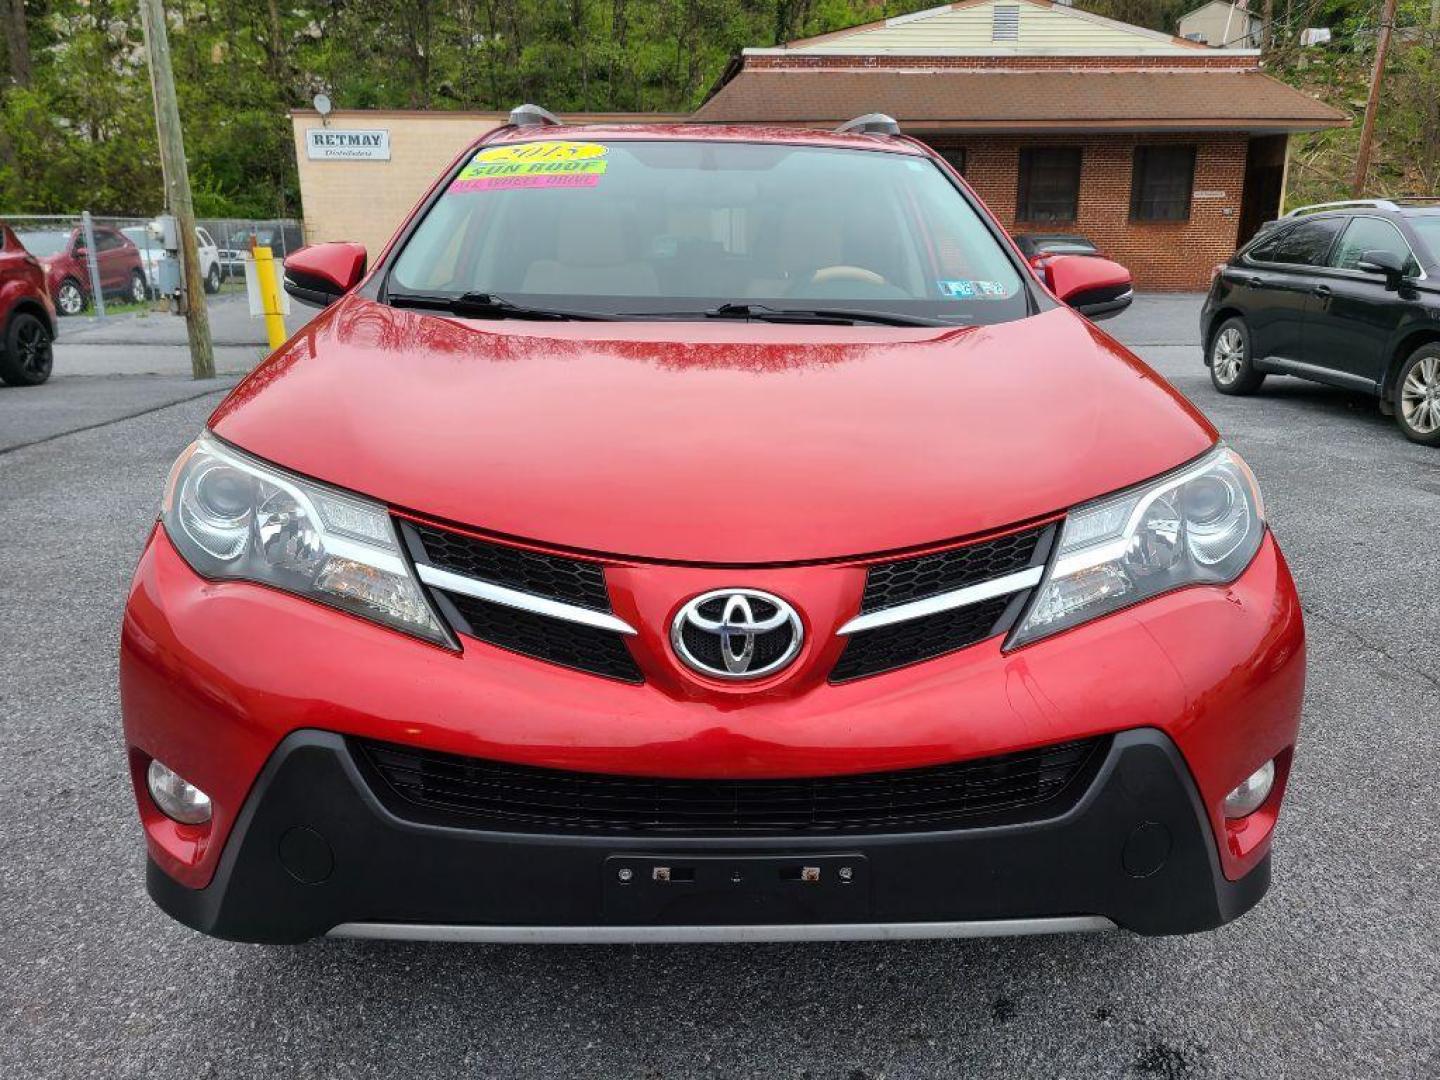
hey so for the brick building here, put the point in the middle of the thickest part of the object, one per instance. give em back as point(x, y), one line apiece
point(1164, 152)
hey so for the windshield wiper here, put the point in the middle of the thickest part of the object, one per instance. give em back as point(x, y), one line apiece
point(489, 306)
point(814, 316)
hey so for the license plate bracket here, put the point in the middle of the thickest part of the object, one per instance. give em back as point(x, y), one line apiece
point(683, 889)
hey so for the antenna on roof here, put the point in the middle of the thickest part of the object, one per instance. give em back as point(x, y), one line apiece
point(529, 115)
point(870, 124)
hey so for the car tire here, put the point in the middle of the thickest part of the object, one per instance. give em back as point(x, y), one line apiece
point(28, 355)
point(1417, 396)
point(70, 297)
point(212, 279)
point(1231, 370)
point(139, 291)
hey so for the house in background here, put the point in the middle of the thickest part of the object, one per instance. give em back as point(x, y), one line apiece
point(1164, 152)
point(1223, 26)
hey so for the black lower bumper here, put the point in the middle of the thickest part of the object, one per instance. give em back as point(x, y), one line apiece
point(315, 848)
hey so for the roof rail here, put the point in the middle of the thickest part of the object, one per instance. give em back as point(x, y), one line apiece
point(1315, 208)
point(529, 115)
point(870, 124)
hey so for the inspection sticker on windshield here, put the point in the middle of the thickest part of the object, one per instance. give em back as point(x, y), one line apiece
point(963, 290)
point(533, 165)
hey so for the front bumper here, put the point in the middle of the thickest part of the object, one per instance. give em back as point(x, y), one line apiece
point(315, 849)
point(253, 695)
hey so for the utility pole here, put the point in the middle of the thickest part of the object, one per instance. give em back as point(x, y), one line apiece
point(1372, 107)
point(177, 186)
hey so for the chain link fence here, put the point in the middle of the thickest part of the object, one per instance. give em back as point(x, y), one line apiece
point(100, 262)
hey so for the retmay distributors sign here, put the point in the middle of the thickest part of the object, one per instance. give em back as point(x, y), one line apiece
point(328, 144)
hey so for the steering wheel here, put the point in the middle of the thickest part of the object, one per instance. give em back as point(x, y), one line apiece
point(847, 273)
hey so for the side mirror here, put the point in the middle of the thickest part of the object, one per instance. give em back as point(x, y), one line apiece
point(321, 274)
point(1383, 262)
point(1096, 288)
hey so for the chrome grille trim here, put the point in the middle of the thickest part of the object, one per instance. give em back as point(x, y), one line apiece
point(948, 601)
point(514, 598)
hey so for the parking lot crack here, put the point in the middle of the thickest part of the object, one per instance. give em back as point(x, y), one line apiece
point(112, 421)
point(1404, 665)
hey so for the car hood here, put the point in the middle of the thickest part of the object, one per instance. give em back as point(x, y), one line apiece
point(716, 442)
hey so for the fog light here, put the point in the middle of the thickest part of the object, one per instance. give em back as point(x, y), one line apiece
point(176, 797)
point(1251, 792)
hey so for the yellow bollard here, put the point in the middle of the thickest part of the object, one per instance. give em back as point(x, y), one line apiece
point(270, 296)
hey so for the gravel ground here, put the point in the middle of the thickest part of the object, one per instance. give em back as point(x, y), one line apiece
point(1335, 974)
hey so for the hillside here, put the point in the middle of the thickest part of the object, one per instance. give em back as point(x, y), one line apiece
point(76, 129)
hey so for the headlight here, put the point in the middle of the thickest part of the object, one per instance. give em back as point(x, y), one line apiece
point(235, 518)
point(1200, 525)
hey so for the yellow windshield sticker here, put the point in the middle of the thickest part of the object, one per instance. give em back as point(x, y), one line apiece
point(531, 165)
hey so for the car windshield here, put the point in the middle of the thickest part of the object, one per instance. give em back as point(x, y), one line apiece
point(656, 227)
point(44, 244)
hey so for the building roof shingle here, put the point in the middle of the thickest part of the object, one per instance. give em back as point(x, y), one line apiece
point(1064, 100)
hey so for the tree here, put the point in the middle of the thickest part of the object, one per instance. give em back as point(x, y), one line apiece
point(17, 41)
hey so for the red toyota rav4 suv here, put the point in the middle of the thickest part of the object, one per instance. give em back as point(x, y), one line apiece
point(707, 533)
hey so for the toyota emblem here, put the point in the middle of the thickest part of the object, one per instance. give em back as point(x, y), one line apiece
point(736, 634)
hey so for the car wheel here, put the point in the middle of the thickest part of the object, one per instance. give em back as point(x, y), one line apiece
point(212, 279)
point(28, 355)
point(69, 297)
point(1230, 368)
point(1417, 396)
point(139, 292)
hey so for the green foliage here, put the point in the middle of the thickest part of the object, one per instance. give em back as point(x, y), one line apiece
point(1162, 15)
point(81, 132)
point(1406, 156)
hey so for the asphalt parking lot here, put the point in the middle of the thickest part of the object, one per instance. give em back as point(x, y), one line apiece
point(1336, 974)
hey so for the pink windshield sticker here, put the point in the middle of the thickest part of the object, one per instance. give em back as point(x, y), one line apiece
point(533, 165)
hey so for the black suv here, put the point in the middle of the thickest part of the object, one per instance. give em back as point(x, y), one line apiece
point(1341, 293)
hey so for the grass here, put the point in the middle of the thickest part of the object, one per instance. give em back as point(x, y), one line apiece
point(157, 307)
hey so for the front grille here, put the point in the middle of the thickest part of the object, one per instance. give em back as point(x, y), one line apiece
point(572, 645)
point(889, 584)
point(448, 788)
point(577, 582)
point(555, 577)
point(889, 647)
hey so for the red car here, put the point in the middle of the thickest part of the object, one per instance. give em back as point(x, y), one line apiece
point(67, 271)
point(707, 533)
point(27, 317)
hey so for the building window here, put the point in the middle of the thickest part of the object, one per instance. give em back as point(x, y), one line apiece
point(1049, 184)
point(955, 155)
point(1161, 183)
point(1006, 23)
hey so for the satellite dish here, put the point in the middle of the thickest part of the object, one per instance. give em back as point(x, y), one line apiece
point(322, 104)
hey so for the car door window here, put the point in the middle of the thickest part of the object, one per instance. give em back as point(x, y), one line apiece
point(1371, 234)
point(204, 238)
point(1307, 244)
point(108, 241)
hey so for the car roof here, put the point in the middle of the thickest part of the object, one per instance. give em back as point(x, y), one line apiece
point(1412, 206)
point(761, 133)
